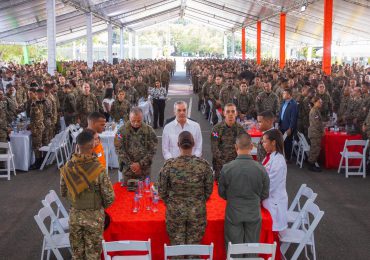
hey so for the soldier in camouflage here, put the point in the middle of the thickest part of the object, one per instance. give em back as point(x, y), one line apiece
point(37, 127)
point(267, 100)
point(47, 111)
point(131, 93)
point(120, 108)
point(315, 133)
point(244, 101)
point(136, 144)
point(185, 184)
point(141, 88)
point(68, 105)
point(94, 194)
point(3, 120)
point(228, 93)
point(54, 109)
point(304, 108)
point(355, 114)
point(86, 104)
point(205, 93)
point(223, 138)
point(344, 105)
point(327, 104)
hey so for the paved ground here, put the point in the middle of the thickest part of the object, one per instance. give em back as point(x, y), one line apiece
point(344, 232)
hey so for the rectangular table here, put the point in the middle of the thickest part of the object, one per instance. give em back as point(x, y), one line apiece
point(126, 225)
point(331, 146)
point(22, 150)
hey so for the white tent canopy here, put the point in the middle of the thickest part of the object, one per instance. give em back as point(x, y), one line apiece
point(24, 21)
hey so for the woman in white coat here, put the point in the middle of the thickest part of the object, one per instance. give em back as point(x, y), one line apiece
point(277, 202)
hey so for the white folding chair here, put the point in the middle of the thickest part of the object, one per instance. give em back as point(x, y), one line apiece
point(188, 250)
point(305, 192)
point(346, 155)
point(8, 159)
point(295, 148)
point(61, 213)
point(54, 150)
point(251, 248)
point(303, 237)
point(127, 245)
point(303, 149)
point(51, 241)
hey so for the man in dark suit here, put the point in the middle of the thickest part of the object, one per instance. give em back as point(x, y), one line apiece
point(244, 183)
point(288, 120)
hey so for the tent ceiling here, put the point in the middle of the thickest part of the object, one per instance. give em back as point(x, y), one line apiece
point(24, 21)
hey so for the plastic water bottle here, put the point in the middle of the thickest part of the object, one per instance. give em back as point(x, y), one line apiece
point(155, 202)
point(147, 184)
point(140, 188)
point(148, 200)
point(121, 122)
point(136, 203)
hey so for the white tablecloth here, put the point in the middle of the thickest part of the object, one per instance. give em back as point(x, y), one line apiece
point(22, 150)
point(107, 138)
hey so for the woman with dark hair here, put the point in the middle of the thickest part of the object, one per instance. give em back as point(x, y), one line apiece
point(159, 96)
point(107, 102)
point(275, 164)
point(315, 133)
point(185, 184)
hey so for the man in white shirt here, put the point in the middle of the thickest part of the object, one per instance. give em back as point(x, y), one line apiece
point(172, 130)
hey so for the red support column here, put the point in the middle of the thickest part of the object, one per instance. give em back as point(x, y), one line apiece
point(258, 42)
point(328, 19)
point(243, 43)
point(282, 39)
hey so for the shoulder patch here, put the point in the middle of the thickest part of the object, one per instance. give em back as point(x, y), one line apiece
point(215, 134)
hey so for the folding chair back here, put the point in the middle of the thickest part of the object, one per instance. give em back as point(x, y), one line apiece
point(127, 245)
point(304, 236)
point(50, 241)
point(186, 250)
point(51, 198)
point(251, 248)
point(8, 159)
point(295, 207)
point(347, 154)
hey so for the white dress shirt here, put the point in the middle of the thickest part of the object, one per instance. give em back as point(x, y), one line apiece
point(170, 138)
point(277, 202)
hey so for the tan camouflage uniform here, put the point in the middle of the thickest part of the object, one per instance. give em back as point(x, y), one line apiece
point(315, 133)
point(120, 110)
point(223, 140)
point(86, 216)
point(86, 104)
point(185, 184)
point(135, 146)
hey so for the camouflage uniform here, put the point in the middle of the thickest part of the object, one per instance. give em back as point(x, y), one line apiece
point(255, 90)
point(37, 125)
point(245, 104)
point(21, 97)
point(99, 94)
point(142, 90)
point(267, 101)
point(11, 109)
point(327, 106)
point(343, 108)
point(223, 140)
point(3, 123)
point(336, 97)
point(185, 184)
point(201, 81)
point(354, 111)
point(86, 104)
point(315, 133)
point(303, 122)
point(135, 146)
point(261, 152)
point(86, 216)
point(47, 107)
point(228, 95)
point(120, 110)
point(69, 108)
point(165, 79)
point(54, 114)
point(131, 95)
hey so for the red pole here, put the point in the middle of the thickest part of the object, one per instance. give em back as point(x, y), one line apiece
point(328, 19)
point(282, 39)
point(243, 43)
point(258, 42)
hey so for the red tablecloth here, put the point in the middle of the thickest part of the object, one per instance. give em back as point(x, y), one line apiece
point(254, 133)
point(126, 225)
point(331, 146)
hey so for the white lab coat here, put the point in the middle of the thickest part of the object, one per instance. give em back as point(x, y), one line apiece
point(277, 202)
